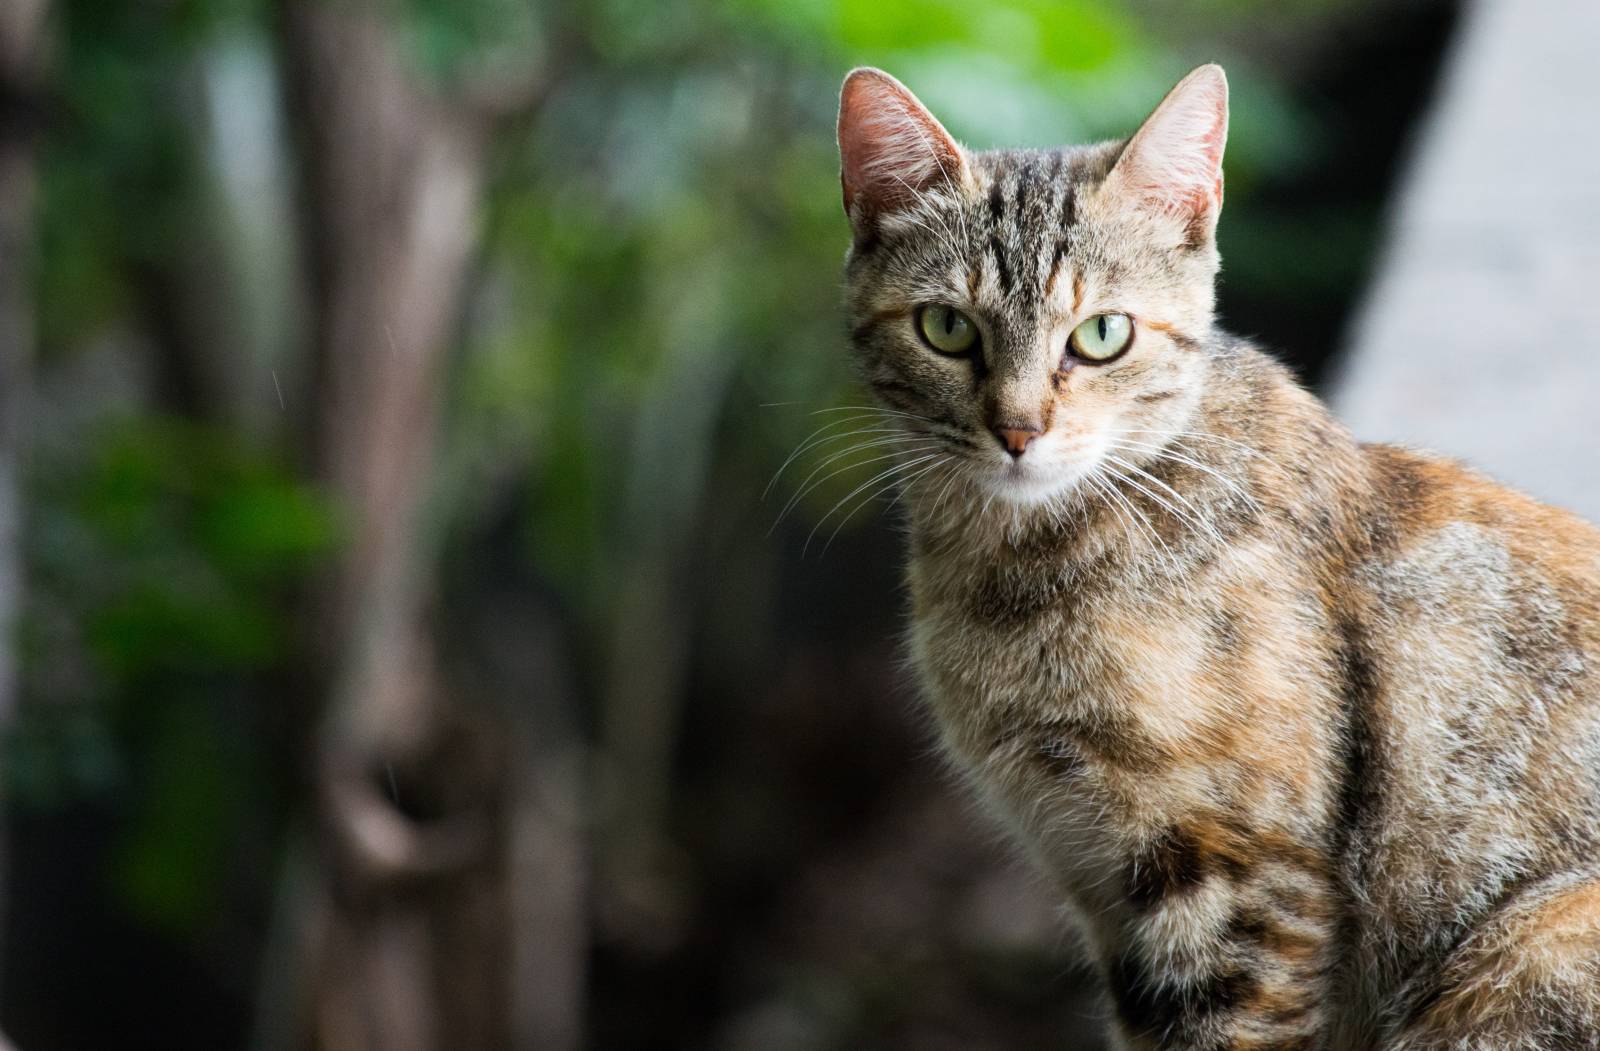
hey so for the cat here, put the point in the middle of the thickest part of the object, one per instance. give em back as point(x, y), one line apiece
point(1305, 732)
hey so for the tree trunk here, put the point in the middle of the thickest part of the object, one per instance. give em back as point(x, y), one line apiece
point(403, 921)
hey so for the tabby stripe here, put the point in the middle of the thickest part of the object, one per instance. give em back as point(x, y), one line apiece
point(1358, 687)
point(1175, 1015)
point(1164, 868)
point(1182, 339)
point(877, 318)
point(1002, 271)
point(1056, 260)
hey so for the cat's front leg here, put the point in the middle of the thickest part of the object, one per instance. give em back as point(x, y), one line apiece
point(1224, 942)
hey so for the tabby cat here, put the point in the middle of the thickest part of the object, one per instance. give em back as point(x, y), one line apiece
point(1306, 732)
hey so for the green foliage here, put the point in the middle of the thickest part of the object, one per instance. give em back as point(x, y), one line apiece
point(120, 177)
point(198, 783)
point(171, 537)
point(159, 566)
point(1035, 36)
point(162, 563)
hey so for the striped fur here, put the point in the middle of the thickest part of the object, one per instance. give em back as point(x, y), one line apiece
point(1307, 732)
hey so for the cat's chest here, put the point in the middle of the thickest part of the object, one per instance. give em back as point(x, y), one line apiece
point(1090, 662)
point(1096, 709)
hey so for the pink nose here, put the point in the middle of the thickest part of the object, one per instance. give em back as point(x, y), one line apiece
point(1016, 439)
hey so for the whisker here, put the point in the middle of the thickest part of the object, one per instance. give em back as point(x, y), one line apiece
point(1148, 526)
point(899, 497)
point(948, 429)
point(1100, 487)
point(1121, 502)
point(1165, 452)
point(811, 481)
point(808, 485)
point(1155, 497)
point(874, 427)
point(944, 493)
point(815, 439)
point(1199, 435)
point(875, 479)
point(904, 485)
point(872, 408)
point(1199, 519)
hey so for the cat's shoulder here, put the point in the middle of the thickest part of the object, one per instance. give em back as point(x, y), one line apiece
point(1427, 500)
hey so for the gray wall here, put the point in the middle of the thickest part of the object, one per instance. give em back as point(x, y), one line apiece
point(1480, 337)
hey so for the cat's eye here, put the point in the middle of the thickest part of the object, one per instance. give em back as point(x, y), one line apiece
point(1102, 337)
point(946, 329)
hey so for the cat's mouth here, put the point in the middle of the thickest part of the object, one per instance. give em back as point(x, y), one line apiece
point(1042, 473)
point(1033, 479)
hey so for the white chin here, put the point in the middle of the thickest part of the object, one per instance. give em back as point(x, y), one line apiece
point(1023, 483)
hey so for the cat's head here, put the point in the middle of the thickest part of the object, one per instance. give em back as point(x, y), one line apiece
point(1038, 310)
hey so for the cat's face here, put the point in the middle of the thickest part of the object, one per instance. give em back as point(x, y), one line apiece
point(1039, 312)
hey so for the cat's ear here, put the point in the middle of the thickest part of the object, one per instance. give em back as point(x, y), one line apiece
point(1173, 163)
point(891, 149)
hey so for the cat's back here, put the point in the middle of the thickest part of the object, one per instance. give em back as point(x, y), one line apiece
point(1473, 635)
point(1476, 589)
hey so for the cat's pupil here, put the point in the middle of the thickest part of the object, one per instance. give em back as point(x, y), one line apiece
point(949, 322)
point(1102, 326)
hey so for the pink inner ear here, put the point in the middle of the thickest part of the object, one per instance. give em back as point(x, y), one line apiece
point(1175, 159)
point(890, 147)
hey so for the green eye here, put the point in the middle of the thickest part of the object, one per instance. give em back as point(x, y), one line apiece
point(1102, 337)
point(946, 329)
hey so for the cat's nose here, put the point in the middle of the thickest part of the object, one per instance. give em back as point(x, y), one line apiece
point(1016, 439)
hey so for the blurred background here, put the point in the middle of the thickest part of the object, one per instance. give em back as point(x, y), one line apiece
point(403, 648)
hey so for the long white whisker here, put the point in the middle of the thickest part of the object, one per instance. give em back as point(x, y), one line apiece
point(817, 438)
point(1199, 519)
point(875, 479)
point(1206, 436)
point(1149, 526)
point(875, 427)
point(891, 437)
point(1100, 487)
point(909, 482)
point(872, 408)
point(904, 484)
point(1166, 452)
point(1122, 501)
point(808, 484)
point(1159, 501)
point(944, 493)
